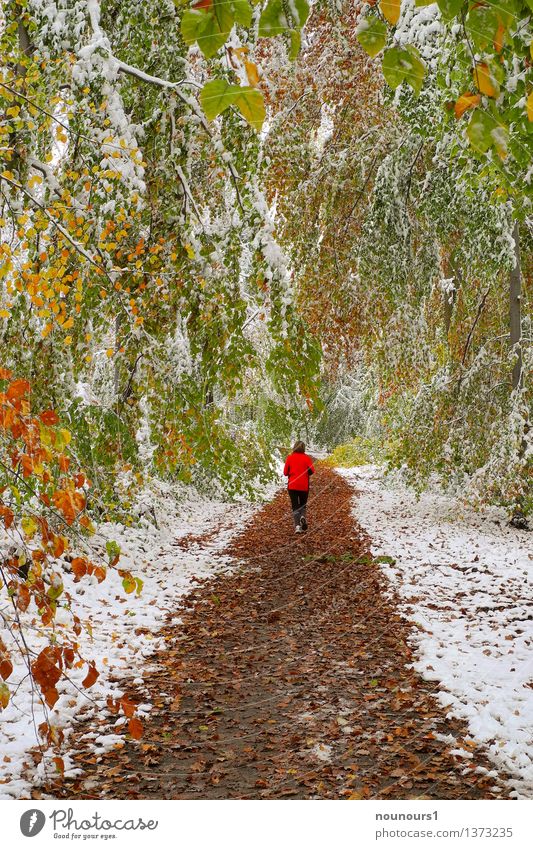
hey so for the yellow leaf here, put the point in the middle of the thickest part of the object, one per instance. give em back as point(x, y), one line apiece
point(529, 107)
point(110, 352)
point(29, 526)
point(485, 81)
point(6, 313)
point(67, 340)
point(391, 10)
point(4, 695)
point(251, 72)
point(66, 434)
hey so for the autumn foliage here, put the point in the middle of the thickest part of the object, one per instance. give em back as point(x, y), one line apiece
point(43, 509)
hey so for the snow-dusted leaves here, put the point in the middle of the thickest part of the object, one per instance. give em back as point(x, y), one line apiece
point(404, 65)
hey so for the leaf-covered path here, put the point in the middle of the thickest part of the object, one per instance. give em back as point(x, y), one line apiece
point(289, 678)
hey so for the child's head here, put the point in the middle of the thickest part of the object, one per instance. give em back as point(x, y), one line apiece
point(299, 447)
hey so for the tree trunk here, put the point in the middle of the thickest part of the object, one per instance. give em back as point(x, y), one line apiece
point(515, 334)
point(518, 519)
point(450, 298)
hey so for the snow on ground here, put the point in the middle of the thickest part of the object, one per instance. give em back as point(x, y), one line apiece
point(465, 579)
point(119, 629)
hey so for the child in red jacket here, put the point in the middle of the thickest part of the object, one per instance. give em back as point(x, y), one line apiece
point(298, 468)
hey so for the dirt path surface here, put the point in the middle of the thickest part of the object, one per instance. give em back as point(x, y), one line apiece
point(290, 678)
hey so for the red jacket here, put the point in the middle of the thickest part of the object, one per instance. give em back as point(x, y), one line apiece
point(298, 468)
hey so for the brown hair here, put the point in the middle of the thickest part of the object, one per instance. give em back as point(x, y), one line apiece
point(299, 447)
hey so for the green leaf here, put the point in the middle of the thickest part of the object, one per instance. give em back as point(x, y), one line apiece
point(242, 12)
point(372, 35)
point(113, 550)
point(393, 71)
point(449, 9)
point(210, 28)
point(484, 132)
point(478, 130)
point(508, 11)
point(481, 26)
point(216, 96)
point(296, 43)
point(274, 21)
point(193, 24)
point(55, 591)
point(401, 65)
point(129, 584)
point(139, 584)
point(424, 2)
point(250, 103)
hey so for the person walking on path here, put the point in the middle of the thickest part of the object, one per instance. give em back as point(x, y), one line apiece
point(298, 468)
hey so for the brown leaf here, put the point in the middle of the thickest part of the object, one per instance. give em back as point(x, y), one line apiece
point(135, 727)
point(91, 677)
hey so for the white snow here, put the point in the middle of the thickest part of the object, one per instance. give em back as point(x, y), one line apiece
point(120, 630)
point(465, 579)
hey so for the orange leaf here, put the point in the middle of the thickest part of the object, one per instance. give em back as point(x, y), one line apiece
point(128, 707)
point(5, 374)
point(251, 72)
point(18, 389)
point(70, 503)
point(79, 567)
point(64, 462)
point(50, 696)
point(485, 81)
point(91, 677)
point(46, 668)
point(7, 515)
point(135, 727)
point(59, 764)
point(6, 667)
point(99, 573)
point(27, 465)
point(68, 656)
point(465, 102)
point(113, 704)
point(49, 417)
point(23, 597)
point(499, 38)
point(59, 546)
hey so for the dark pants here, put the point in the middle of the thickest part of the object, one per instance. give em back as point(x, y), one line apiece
point(298, 501)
